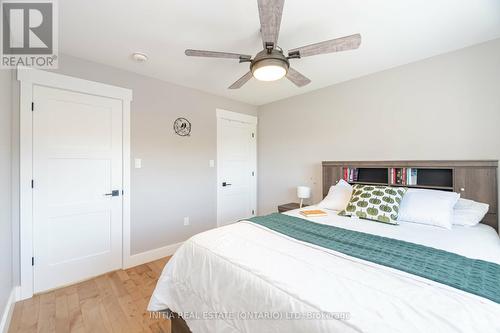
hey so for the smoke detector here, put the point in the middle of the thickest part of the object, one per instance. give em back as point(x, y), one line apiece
point(139, 57)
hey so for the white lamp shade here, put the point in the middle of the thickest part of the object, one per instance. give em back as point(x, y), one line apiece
point(303, 192)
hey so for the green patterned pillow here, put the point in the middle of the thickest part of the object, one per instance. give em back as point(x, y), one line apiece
point(377, 203)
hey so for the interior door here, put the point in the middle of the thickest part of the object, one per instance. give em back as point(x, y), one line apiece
point(77, 174)
point(237, 170)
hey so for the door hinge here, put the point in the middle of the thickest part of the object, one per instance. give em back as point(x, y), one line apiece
point(32, 183)
point(32, 106)
point(32, 261)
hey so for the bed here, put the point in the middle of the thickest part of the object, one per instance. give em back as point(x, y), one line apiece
point(246, 277)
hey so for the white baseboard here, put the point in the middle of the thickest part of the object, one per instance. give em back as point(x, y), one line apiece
point(152, 255)
point(9, 309)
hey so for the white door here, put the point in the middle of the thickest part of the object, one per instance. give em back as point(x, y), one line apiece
point(77, 163)
point(236, 160)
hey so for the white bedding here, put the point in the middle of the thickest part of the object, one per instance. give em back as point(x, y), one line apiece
point(240, 270)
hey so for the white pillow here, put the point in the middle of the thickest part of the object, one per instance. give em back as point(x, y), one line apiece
point(469, 212)
point(338, 196)
point(429, 207)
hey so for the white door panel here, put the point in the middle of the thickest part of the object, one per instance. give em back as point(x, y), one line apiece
point(77, 148)
point(64, 175)
point(78, 236)
point(81, 132)
point(236, 168)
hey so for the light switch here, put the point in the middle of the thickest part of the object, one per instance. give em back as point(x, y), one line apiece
point(138, 163)
point(211, 163)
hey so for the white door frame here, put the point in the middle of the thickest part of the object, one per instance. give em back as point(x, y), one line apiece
point(28, 79)
point(244, 118)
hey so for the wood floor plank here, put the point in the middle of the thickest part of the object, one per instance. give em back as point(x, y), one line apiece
point(122, 275)
point(155, 268)
point(160, 264)
point(74, 312)
point(47, 314)
point(159, 327)
point(113, 302)
point(132, 313)
point(110, 305)
point(107, 321)
point(87, 290)
point(117, 285)
point(135, 305)
point(62, 313)
point(93, 320)
point(31, 308)
point(141, 269)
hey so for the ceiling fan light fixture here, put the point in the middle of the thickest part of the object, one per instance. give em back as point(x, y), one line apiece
point(269, 69)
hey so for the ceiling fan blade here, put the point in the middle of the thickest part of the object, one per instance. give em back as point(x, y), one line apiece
point(214, 54)
point(334, 45)
point(270, 12)
point(298, 79)
point(241, 81)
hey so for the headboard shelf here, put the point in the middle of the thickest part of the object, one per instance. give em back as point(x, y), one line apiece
point(441, 177)
point(473, 179)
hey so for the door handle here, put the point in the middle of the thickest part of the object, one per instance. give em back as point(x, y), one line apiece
point(226, 184)
point(113, 193)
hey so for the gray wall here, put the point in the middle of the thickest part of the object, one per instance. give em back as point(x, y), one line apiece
point(6, 279)
point(445, 107)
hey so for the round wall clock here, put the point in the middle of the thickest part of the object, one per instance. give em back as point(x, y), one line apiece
point(182, 127)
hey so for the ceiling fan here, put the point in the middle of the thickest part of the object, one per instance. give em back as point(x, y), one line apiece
point(271, 64)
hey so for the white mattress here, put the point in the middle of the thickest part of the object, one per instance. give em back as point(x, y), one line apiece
point(238, 271)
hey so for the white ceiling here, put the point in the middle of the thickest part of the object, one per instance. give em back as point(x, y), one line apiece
point(394, 32)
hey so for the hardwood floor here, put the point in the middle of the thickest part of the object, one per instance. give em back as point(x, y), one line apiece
point(114, 302)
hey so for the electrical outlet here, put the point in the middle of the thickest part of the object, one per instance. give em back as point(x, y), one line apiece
point(186, 220)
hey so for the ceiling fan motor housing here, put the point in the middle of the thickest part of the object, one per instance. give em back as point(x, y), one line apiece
point(272, 57)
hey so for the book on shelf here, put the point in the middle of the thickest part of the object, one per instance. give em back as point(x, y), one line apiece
point(404, 176)
point(413, 176)
point(313, 213)
point(351, 174)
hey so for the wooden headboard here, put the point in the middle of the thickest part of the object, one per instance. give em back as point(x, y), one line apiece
point(475, 180)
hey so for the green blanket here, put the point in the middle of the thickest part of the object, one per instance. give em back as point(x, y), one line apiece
point(475, 276)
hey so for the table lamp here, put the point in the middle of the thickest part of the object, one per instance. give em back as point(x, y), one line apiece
point(303, 192)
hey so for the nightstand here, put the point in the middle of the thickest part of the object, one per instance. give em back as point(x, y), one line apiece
point(289, 206)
